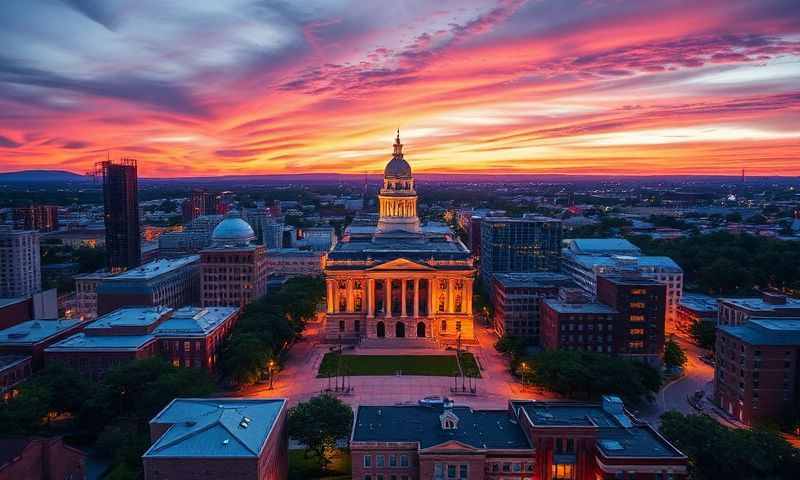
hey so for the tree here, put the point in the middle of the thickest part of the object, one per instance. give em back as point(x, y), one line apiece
point(674, 355)
point(704, 334)
point(319, 423)
point(716, 452)
point(511, 345)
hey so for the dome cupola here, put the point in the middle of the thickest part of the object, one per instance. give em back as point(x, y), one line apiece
point(233, 231)
point(397, 166)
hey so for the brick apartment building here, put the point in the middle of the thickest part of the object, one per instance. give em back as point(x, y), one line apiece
point(640, 301)
point(187, 337)
point(735, 311)
point(213, 438)
point(167, 282)
point(31, 338)
point(517, 299)
point(34, 458)
point(529, 440)
point(756, 378)
point(694, 308)
point(43, 218)
point(14, 369)
point(573, 322)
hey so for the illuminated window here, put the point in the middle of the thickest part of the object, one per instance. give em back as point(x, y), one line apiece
point(562, 471)
point(636, 331)
point(637, 305)
point(637, 318)
point(638, 291)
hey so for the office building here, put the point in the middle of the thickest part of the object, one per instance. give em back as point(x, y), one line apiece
point(43, 218)
point(186, 337)
point(756, 375)
point(272, 230)
point(20, 263)
point(735, 311)
point(398, 279)
point(319, 239)
point(31, 338)
point(517, 297)
point(639, 331)
point(529, 440)
point(121, 205)
point(213, 438)
point(234, 270)
point(195, 236)
point(166, 283)
point(86, 293)
point(508, 245)
point(199, 203)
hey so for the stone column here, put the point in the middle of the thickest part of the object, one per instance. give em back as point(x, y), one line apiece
point(403, 292)
point(370, 298)
point(350, 301)
point(330, 295)
point(388, 302)
point(468, 296)
point(451, 295)
point(416, 297)
point(432, 285)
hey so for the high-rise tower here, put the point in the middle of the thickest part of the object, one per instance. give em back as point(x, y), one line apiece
point(121, 202)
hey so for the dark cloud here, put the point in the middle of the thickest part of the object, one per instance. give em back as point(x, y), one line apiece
point(99, 11)
point(6, 142)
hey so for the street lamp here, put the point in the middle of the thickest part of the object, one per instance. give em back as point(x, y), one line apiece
point(524, 370)
point(271, 366)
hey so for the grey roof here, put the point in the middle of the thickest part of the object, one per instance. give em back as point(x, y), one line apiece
point(642, 263)
point(130, 317)
point(82, 341)
point(155, 268)
point(215, 427)
point(35, 331)
point(617, 437)
point(397, 167)
point(533, 279)
point(382, 250)
point(758, 304)
point(482, 429)
point(699, 302)
point(603, 245)
point(767, 331)
point(233, 231)
point(9, 361)
point(194, 321)
point(587, 308)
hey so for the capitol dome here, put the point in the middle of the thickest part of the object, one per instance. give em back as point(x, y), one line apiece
point(397, 168)
point(233, 231)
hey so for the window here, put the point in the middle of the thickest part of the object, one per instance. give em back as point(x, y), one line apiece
point(637, 318)
point(379, 460)
point(563, 471)
point(341, 325)
point(392, 460)
point(451, 471)
point(403, 460)
point(438, 471)
point(187, 347)
point(636, 305)
point(444, 325)
point(463, 471)
point(367, 461)
point(458, 325)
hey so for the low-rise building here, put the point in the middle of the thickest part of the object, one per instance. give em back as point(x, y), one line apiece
point(529, 440)
point(694, 308)
point(735, 311)
point(86, 293)
point(756, 376)
point(293, 262)
point(567, 324)
point(168, 282)
point(14, 369)
point(517, 298)
point(187, 337)
point(33, 458)
point(213, 438)
point(31, 338)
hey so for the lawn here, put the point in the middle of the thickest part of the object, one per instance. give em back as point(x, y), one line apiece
point(429, 365)
point(302, 468)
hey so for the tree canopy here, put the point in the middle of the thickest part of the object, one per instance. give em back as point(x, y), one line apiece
point(319, 423)
point(674, 355)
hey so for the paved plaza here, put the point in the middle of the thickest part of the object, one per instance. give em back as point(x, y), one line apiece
point(298, 381)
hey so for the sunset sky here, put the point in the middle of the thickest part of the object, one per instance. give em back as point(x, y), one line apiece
point(257, 87)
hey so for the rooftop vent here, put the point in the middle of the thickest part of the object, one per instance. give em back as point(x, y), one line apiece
point(226, 441)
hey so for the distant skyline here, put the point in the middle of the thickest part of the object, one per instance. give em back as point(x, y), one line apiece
point(246, 87)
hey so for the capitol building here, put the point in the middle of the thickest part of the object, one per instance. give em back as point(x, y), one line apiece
point(399, 279)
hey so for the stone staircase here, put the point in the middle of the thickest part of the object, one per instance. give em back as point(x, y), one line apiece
point(390, 343)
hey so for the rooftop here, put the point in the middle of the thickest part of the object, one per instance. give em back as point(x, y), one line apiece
point(699, 302)
point(193, 320)
point(215, 427)
point(592, 307)
point(621, 279)
point(760, 304)
point(35, 331)
point(385, 249)
point(642, 263)
point(153, 269)
point(130, 317)
point(532, 279)
point(526, 219)
point(602, 245)
point(81, 341)
point(767, 331)
point(8, 361)
point(619, 435)
point(494, 429)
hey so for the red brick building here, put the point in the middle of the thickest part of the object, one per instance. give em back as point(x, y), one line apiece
point(641, 303)
point(14, 369)
point(517, 299)
point(14, 311)
point(756, 378)
point(578, 324)
point(530, 440)
point(213, 438)
point(188, 337)
point(34, 336)
point(43, 218)
point(40, 459)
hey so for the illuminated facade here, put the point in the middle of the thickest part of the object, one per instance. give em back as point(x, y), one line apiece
point(399, 279)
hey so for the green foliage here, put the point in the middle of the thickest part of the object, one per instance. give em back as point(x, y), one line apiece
point(319, 423)
point(674, 355)
point(724, 264)
point(267, 327)
point(303, 467)
point(589, 375)
point(704, 333)
point(716, 452)
point(511, 345)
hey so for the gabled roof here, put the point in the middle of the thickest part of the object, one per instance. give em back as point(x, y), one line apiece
point(400, 264)
point(215, 427)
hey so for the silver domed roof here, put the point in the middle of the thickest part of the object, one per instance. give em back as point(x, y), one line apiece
point(397, 168)
point(233, 231)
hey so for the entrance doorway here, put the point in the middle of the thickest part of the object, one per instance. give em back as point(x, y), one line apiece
point(421, 329)
point(400, 330)
point(381, 330)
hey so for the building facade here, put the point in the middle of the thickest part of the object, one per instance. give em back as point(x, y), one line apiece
point(34, 458)
point(20, 263)
point(399, 279)
point(86, 293)
point(694, 308)
point(735, 311)
point(529, 440)
point(33, 337)
point(213, 438)
point(121, 206)
point(531, 244)
point(293, 262)
point(234, 271)
point(569, 323)
point(14, 369)
point(639, 332)
point(167, 283)
point(43, 218)
point(756, 375)
point(517, 298)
